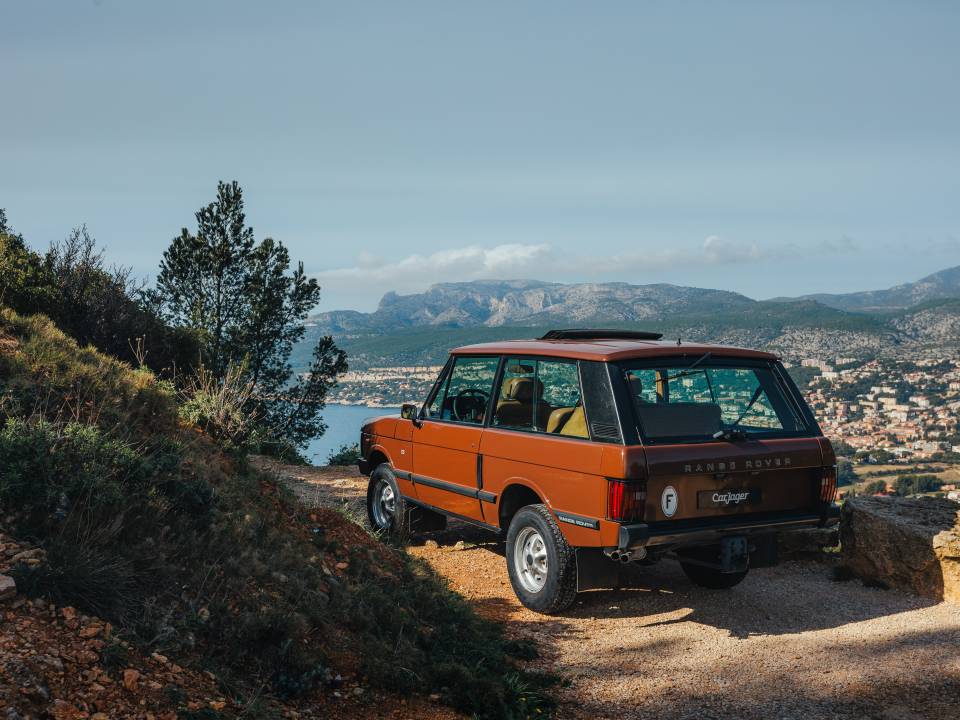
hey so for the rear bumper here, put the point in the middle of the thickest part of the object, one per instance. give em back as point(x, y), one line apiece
point(639, 535)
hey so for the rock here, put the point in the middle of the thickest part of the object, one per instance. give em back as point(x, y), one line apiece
point(90, 631)
point(62, 710)
point(342, 565)
point(431, 545)
point(8, 587)
point(87, 657)
point(68, 613)
point(24, 555)
point(459, 545)
point(910, 544)
point(217, 705)
point(131, 679)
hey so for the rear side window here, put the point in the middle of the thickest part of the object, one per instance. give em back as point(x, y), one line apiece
point(601, 406)
point(465, 394)
point(540, 396)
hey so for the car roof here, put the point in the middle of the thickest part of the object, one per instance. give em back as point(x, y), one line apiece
point(607, 350)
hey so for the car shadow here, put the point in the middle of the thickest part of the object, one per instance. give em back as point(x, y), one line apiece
point(793, 597)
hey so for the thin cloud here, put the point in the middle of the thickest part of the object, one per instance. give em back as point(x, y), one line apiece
point(541, 261)
point(416, 272)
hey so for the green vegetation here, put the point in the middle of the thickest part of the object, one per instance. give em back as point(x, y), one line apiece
point(842, 448)
point(103, 307)
point(394, 346)
point(191, 552)
point(846, 475)
point(247, 308)
point(803, 376)
point(346, 455)
point(916, 484)
point(879, 457)
point(875, 487)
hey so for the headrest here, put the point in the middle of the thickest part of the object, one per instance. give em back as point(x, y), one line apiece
point(519, 369)
point(679, 419)
point(636, 383)
point(522, 389)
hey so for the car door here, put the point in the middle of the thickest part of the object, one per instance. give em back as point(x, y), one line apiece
point(446, 441)
point(538, 436)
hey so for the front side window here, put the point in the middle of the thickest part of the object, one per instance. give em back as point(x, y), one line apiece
point(541, 396)
point(678, 402)
point(465, 394)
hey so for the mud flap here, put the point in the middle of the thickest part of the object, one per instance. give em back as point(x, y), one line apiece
point(764, 551)
point(595, 570)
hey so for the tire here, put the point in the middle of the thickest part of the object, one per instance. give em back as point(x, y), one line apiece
point(386, 509)
point(535, 543)
point(711, 577)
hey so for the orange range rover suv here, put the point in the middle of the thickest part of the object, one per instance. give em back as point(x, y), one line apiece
point(593, 448)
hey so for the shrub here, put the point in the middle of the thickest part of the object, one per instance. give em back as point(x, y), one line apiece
point(875, 487)
point(345, 455)
point(222, 408)
point(146, 523)
point(846, 475)
point(916, 484)
point(92, 303)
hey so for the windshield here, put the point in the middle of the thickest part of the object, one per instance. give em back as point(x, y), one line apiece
point(706, 399)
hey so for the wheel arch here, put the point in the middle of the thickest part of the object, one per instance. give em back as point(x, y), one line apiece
point(378, 456)
point(515, 496)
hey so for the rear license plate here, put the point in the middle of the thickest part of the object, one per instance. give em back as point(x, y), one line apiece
point(728, 498)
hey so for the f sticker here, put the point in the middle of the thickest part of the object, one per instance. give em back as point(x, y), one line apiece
point(669, 501)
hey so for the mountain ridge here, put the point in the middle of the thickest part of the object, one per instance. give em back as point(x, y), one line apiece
point(419, 328)
point(494, 303)
point(941, 285)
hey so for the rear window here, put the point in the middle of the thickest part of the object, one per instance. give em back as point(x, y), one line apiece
point(702, 399)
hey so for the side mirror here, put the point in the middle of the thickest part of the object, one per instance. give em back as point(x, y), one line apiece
point(410, 411)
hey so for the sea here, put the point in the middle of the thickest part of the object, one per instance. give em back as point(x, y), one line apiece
point(343, 428)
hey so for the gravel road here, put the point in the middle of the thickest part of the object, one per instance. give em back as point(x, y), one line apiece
point(788, 642)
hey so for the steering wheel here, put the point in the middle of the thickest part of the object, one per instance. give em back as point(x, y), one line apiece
point(468, 403)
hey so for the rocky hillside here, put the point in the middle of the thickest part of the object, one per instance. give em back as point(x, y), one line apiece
point(420, 328)
point(939, 286)
point(494, 303)
point(934, 322)
point(148, 539)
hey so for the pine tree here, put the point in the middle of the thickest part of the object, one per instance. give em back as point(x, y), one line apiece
point(249, 308)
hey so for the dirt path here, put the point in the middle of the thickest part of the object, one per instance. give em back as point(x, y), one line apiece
point(789, 642)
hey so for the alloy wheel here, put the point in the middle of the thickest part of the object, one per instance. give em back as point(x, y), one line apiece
point(530, 559)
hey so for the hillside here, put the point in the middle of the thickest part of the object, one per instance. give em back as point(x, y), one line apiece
point(938, 286)
point(419, 329)
point(160, 544)
point(493, 303)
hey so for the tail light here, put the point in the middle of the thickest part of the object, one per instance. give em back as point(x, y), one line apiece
point(828, 484)
point(626, 500)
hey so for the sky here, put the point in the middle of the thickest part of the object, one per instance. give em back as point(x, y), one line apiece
point(769, 148)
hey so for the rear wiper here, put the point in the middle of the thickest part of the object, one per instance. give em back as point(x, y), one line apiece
point(732, 432)
point(688, 368)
